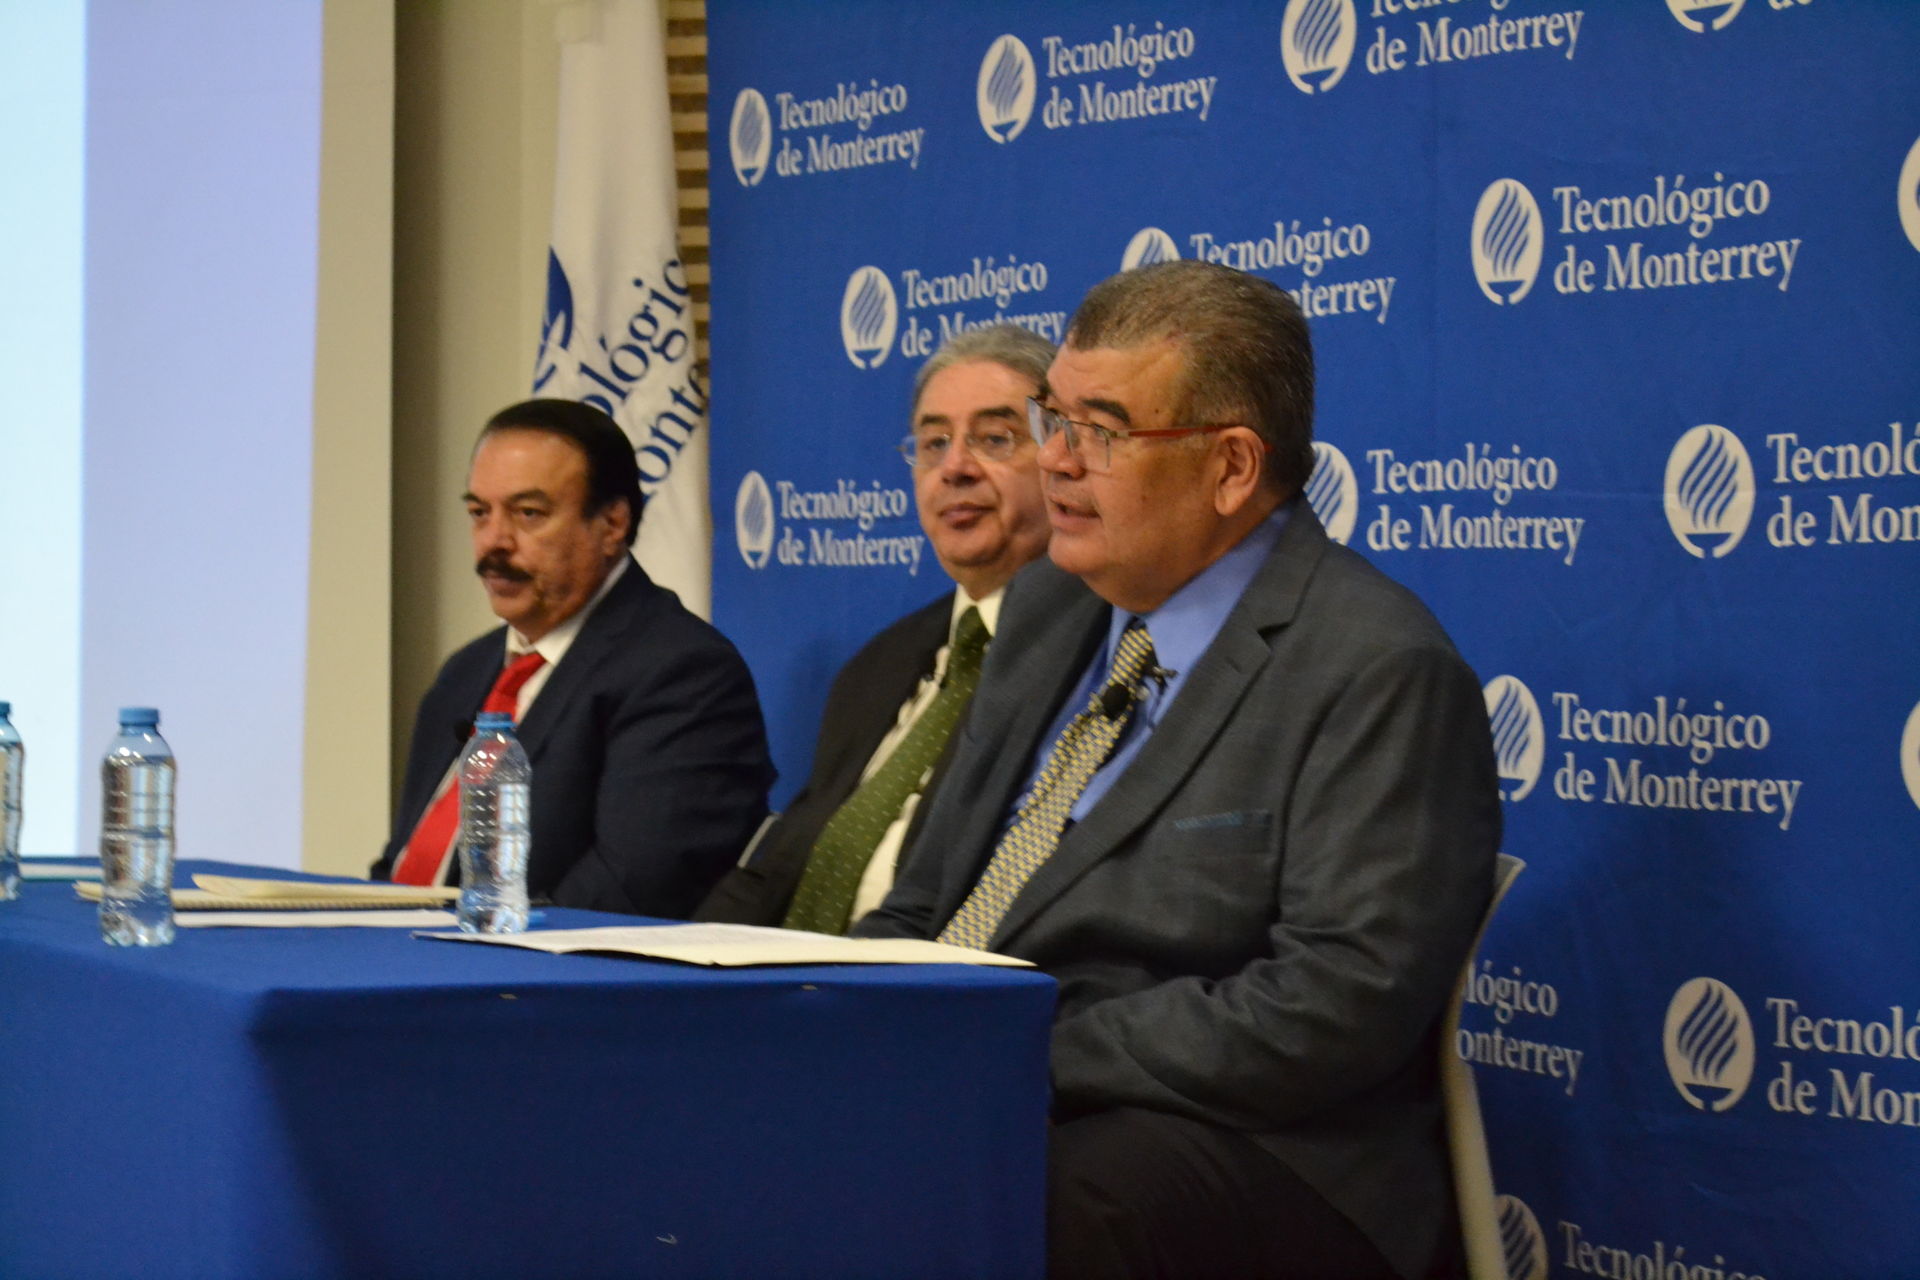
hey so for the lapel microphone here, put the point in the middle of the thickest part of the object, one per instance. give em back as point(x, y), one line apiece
point(1117, 697)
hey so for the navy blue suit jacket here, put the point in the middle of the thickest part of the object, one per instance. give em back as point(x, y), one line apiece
point(650, 765)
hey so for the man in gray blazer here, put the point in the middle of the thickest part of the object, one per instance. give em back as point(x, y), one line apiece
point(1234, 789)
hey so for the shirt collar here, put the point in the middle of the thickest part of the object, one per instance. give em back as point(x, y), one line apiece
point(1183, 627)
point(553, 646)
point(988, 605)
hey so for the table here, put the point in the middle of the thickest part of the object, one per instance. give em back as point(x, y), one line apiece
point(358, 1102)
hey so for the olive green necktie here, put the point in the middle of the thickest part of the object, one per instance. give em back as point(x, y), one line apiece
point(845, 845)
point(1082, 747)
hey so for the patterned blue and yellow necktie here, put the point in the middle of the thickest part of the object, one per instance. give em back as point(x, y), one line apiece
point(1077, 754)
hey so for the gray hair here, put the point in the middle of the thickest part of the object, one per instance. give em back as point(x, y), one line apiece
point(1021, 350)
point(1248, 357)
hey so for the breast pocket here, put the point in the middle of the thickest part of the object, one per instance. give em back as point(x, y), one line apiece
point(1230, 827)
point(1202, 883)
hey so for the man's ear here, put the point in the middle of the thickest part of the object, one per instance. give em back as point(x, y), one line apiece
point(1242, 465)
point(619, 518)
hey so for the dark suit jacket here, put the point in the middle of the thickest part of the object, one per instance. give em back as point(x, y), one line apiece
point(1260, 924)
point(650, 765)
point(862, 706)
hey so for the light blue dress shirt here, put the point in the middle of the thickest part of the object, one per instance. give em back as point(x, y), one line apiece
point(1181, 629)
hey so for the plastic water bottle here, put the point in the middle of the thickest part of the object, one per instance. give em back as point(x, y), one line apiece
point(13, 762)
point(136, 833)
point(496, 795)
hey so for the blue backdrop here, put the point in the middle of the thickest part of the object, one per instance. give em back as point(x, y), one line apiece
point(1617, 312)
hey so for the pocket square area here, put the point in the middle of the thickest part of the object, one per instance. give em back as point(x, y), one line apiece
point(1231, 818)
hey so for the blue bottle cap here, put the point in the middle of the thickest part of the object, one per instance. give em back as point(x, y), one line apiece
point(6, 709)
point(139, 717)
point(492, 722)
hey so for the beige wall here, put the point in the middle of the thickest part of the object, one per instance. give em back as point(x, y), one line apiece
point(345, 762)
point(473, 164)
point(437, 164)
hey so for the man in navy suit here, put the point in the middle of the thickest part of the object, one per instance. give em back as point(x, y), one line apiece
point(978, 492)
point(650, 765)
point(1235, 790)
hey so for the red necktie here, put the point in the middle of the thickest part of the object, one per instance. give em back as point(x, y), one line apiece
point(426, 849)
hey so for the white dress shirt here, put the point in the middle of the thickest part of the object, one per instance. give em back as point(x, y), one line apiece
point(886, 856)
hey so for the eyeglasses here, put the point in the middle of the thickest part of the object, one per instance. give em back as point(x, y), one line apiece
point(924, 453)
point(1092, 444)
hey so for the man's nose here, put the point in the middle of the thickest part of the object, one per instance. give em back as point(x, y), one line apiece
point(493, 532)
point(959, 463)
point(1056, 457)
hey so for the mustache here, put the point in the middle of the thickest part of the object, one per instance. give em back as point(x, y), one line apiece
point(496, 564)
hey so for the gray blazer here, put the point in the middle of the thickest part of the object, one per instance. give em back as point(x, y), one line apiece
point(1260, 924)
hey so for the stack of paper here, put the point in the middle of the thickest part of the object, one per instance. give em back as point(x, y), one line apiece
point(58, 868)
point(240, 893)
point(384, 918)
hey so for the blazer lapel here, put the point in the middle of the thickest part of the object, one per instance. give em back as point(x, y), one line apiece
point(1019, 695)
point(456, 712)
point(476, 680)
point(893, 677)
point(609, 620)
point(1181, 739)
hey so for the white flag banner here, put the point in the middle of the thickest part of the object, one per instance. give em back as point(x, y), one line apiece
point(618, 331)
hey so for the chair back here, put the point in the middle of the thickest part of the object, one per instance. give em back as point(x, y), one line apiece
point(1466, 1135)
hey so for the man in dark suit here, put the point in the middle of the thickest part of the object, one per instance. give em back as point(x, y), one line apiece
point(978, 493)
point(650, 764)
point(1235, 790)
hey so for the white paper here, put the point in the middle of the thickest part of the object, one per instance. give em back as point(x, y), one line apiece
point(294, 896)
point(331, 890)
point(731, 945)
point(58, 869)
point(383, 919)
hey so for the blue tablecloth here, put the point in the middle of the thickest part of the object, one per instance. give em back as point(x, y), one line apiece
point(358, 1102)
